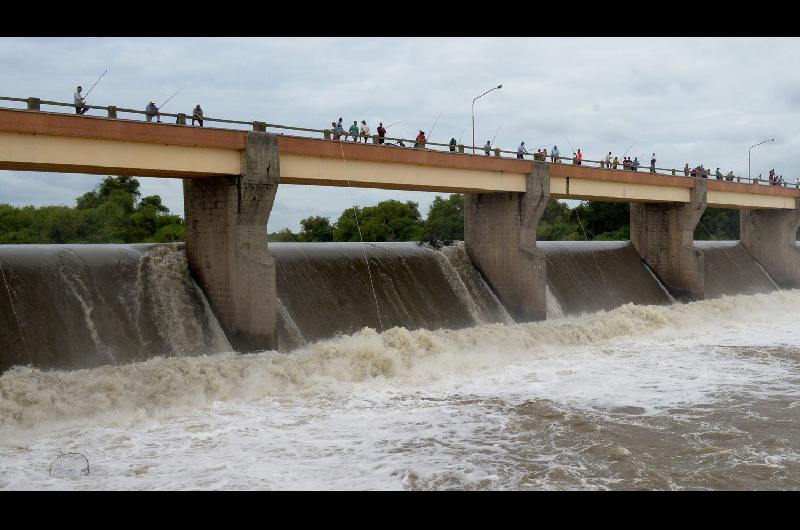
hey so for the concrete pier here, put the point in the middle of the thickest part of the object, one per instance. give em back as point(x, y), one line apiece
point(500, 239)
point(663, 235)
point(770, 236)
point(226, 244)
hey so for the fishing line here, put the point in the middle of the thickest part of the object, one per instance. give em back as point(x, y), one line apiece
point(14, 309)
point(169, 98)
point(364, 248)
point(95, 84)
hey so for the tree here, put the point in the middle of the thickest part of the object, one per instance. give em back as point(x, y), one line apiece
point(445, 219)
point(718, 224)
point(316, 228)
point(387, 221)
point(113, 212)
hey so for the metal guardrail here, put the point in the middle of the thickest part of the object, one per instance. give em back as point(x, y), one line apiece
point(35, 104)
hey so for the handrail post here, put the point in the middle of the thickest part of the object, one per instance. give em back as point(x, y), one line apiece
point(460, 148)
point(112, 112)
point(34, 104)
point(496, 151)
point(260, 126)
point(673, 172)
point(181, 119)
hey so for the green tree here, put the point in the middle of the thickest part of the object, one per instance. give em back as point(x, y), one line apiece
point(718, 224)
point(316, 228)
point(445, 219)
point(113, 212)
point(387, 221)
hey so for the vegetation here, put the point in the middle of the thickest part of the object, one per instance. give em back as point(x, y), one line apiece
point(114, 212)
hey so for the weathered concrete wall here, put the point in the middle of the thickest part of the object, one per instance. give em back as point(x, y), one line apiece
point(226, 244)
point(770, 236)
point(500, 239)
point(663, 235)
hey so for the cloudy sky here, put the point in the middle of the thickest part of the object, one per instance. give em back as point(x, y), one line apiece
point(688, 100)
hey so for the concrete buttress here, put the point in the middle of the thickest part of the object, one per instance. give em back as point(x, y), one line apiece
point(500, 239)
point(226, 244)
point(770, 236)
point(663, 235)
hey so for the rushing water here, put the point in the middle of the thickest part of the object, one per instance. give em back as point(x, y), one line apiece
point(703, 395)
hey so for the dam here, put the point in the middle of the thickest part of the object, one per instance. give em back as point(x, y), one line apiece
point(82, 306)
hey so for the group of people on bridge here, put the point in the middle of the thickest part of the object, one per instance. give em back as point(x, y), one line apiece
point(363, 133)
point(151, 110)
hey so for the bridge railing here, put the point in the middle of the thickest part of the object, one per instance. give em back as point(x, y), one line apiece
point(35, 104)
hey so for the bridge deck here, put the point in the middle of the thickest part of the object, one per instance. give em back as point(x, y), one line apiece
point(53, 142)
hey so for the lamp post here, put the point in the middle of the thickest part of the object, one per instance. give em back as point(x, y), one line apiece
point(473, 114)
point(748, 156)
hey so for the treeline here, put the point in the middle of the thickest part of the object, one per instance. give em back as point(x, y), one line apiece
point(114, 212)
point(401, 221)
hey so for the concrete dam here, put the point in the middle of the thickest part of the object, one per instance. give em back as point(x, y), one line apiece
point(81, 306)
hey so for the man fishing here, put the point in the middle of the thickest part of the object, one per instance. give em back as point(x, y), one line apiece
point(487, 147)
point(554, 155)
point(521, 151)
point(197, 114)
point(421, 140)
point(80, 106)
point(453, 145)
point(151, 111)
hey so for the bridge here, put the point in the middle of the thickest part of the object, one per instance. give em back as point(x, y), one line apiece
point(230, 178)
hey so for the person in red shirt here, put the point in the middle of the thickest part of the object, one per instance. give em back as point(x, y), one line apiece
point(381, 133)
point(580, 157)
point(420, 142)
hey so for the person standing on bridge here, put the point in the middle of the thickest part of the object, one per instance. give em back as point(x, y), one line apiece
point(686, 170)
point(420, 142)
point(354, 131)
point(381, 133)
point(580, 157)
point(151, 111)
point(554, 155)
point(364, 130)
point(653, 163)
point(635, 163)
point(487, 147)
point(718, 174)
point(615, 163)
point(521, 151)
point(453, 144)
point(608, 160)
point(197, 114)
point(80, 106)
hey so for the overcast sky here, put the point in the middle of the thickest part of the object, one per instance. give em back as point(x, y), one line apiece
point(703, 100)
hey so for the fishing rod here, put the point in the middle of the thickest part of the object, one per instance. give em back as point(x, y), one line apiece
point(495, 135)
point(570, 143)
point(628, 149)
point(462, 135)
point(396, 123)
point(430, 134)
point(95, 84)
point(169, 98)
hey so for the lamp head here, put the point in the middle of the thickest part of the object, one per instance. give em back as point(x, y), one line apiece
point(499, 86)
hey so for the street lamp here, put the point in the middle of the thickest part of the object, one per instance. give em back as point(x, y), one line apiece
point(473, 115)
point(748, 156)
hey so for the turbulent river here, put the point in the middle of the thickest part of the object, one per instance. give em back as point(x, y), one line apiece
point(619, 389)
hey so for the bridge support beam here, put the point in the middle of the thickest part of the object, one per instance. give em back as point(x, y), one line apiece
point(226, 244)
point(770, 236)
point(500, 239)
point(663, 235)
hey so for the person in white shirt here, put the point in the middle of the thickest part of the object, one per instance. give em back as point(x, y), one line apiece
point(608, 160)
point(487, 147)
point(364, 130)
point(521, 151)
point(554, 154)
point(80, 106)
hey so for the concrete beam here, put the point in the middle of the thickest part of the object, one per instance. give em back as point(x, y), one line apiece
point(770, 236)
point(226, 244)
point(500, 239)
point(663, 235)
